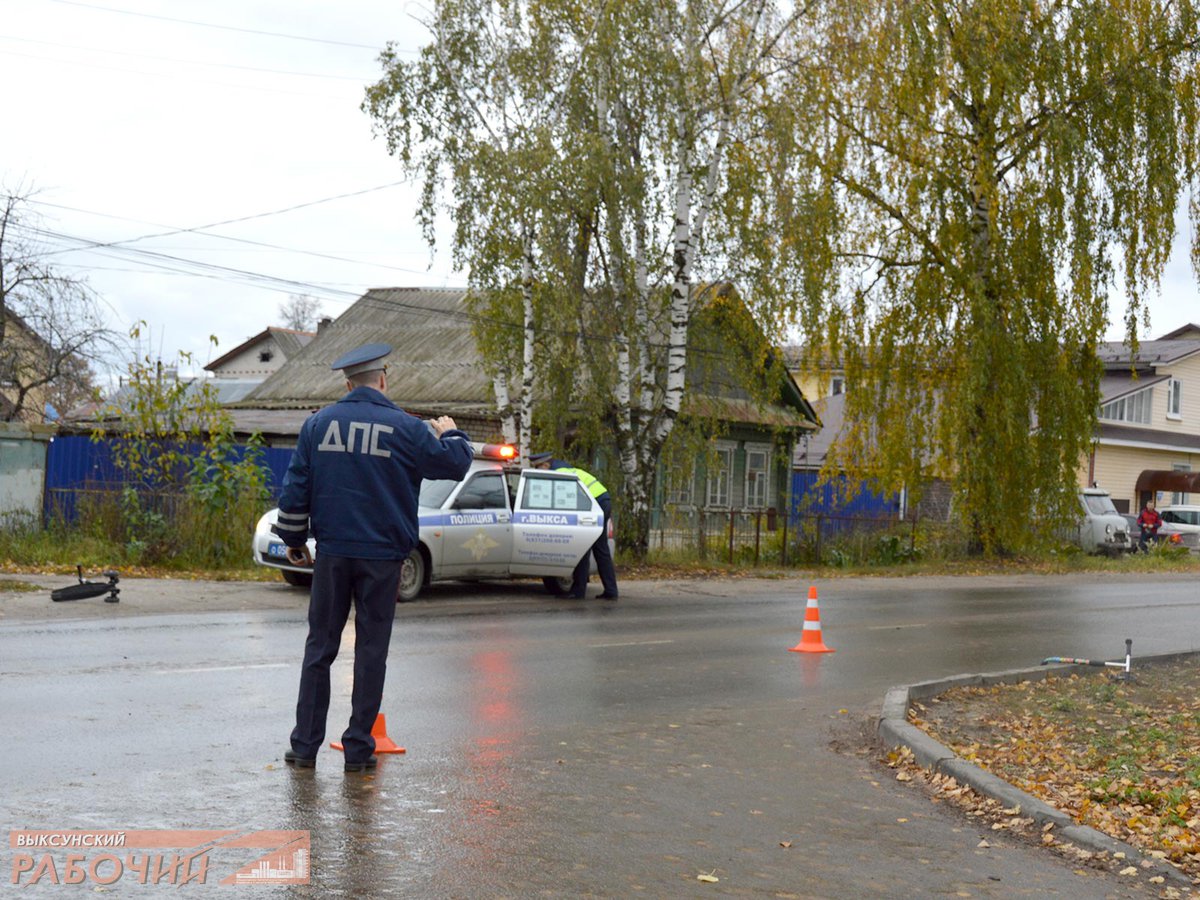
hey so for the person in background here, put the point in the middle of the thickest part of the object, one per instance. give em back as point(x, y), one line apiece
point(1149, 520)
point(353, 483)
point(600, 549)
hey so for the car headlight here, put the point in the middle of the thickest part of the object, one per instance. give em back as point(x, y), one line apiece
point(1108, 529)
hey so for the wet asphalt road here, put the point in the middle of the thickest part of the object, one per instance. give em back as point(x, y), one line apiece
point(554, 748)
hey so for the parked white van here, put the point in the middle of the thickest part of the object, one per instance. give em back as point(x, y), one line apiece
point(1102, 529)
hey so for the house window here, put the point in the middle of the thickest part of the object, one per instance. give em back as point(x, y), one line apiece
point(720, 472)
point(679, 485)
point(1134, 408)
point(1177, 499)
point(837, 385)
point(758, 475)
point(266, 356)
point(1174, 390)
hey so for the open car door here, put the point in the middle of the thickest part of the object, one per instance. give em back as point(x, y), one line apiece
point(554, 524)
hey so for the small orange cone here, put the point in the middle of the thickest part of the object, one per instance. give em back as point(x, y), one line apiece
point(383, 743)
point(810, 639)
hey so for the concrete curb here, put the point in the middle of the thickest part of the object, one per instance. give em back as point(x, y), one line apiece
point(895, 730)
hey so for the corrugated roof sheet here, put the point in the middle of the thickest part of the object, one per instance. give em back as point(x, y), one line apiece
point(434, 367)
point(433, 364)
point(290, 341)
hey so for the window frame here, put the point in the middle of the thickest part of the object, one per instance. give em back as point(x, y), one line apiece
point(764, 501)
point(1124, 408)
point(476, 480)
point(679, 489)
point(721, 450)
point(1178, 499)
point(1174, 399)
point(583, 500)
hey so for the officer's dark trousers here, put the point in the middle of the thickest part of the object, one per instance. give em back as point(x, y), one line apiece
point(371, 583)
point(604, 561)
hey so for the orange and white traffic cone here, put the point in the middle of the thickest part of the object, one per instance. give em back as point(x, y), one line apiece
point(810, 639)
point(383, 743)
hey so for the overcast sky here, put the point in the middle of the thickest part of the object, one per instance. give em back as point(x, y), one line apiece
point(131, 124)
point(131, 121)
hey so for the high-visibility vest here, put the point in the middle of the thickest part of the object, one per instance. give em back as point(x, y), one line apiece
point(590, 481)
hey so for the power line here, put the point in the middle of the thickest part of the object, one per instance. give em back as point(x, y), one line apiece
point(201, 233)
point(181, 77)
point(202, 228)
point(151, 257)
point(272, 282)
point(275, 34)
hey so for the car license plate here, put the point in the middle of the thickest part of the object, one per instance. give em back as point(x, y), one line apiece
point(274, 549)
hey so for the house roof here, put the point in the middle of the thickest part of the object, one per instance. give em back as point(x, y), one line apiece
point(433, 364)
point(735, 409)
point(832, 411)
point(225, 391)
point(1114, 387)
point(1117, 355)
point(289, 340)
point(1191, 330)
point(1151, 438)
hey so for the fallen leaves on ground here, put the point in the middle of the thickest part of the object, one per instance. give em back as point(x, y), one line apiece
point(1120, 756)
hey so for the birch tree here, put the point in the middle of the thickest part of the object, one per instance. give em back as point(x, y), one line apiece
point(992, 170)
point(474, 110)
point(609, 189)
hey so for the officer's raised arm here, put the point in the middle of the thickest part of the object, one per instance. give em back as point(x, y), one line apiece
point(442, 424)
point(447, 450)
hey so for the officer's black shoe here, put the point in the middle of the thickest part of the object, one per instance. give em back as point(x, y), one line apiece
point(292, 758)
point(606, 596)
point(365, 766)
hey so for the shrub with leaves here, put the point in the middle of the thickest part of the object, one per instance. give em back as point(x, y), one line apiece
point(190, 493)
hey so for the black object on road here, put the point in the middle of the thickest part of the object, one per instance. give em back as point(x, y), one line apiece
point(86, 589)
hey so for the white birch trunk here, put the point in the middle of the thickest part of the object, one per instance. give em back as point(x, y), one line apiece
point(645, 373)
point(526, 415)
point(504, 406)
point(680, 294)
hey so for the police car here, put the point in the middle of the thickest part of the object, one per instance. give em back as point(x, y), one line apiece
point(499, 521)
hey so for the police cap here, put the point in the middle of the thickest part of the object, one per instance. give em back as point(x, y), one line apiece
point(362, 359)
point(536, 458)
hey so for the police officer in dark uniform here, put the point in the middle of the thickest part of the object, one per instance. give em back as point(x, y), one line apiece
point(353, 482)
point(600, 549)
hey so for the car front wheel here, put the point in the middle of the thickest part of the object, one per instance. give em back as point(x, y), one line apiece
point(412, 577)
point(557, 586)
point(297, 579)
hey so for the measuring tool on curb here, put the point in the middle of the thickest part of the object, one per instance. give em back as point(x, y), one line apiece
point(1126, 666)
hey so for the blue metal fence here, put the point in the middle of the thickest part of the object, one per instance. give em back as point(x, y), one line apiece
point(809, 499)
point(76, 463)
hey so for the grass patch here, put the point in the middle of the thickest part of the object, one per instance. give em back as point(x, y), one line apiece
point(1122, 757)
point(19, 587)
